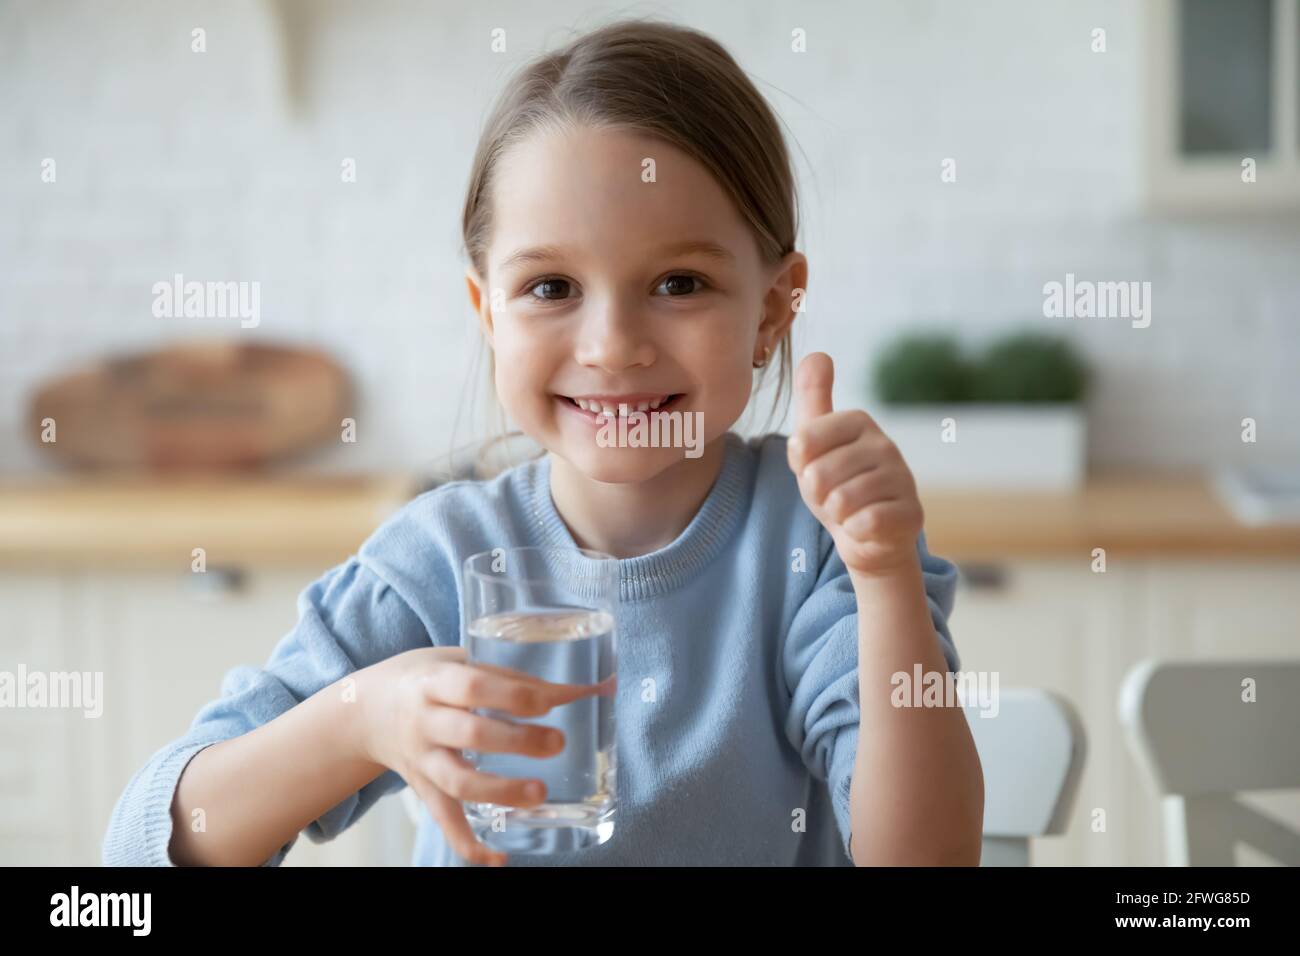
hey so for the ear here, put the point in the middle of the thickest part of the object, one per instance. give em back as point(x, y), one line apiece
point(481, 300)
point(788, 276)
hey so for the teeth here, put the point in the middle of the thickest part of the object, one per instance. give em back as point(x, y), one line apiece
point(600, 408)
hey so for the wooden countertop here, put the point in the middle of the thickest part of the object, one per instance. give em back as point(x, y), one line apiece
point(318, 522)
point(150, 522)
point(1177, 516)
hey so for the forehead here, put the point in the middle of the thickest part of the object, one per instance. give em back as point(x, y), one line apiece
point(582, 188)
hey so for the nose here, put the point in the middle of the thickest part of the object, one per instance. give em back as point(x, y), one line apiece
point(614, 337)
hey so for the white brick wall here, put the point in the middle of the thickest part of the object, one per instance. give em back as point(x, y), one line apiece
point(170, 161)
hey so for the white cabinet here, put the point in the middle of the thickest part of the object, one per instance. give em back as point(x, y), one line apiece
point(38, 747)
point(1222, 113)
point(162, 647)
point(1059, 625)
point(1244, 610)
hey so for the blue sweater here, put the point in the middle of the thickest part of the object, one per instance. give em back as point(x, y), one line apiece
point(755, 714)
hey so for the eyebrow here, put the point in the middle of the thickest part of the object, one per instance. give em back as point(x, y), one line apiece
point(703, 247)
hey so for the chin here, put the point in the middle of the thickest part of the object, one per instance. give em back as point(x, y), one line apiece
point(617, 466)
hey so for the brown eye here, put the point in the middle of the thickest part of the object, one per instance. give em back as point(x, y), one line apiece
point(679, 284)
point(552, 289)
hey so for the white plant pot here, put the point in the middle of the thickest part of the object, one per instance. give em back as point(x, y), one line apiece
point(990, 446)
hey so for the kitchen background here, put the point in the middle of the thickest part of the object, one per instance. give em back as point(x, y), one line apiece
point(230, 164)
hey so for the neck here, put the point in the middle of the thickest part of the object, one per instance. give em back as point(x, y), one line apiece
point(634, 518)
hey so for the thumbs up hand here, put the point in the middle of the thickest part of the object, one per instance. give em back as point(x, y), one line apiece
point(852, 478)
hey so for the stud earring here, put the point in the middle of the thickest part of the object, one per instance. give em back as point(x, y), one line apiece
point(767, 352)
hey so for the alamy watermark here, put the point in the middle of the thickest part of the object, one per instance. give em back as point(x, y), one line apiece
point(75, 908)
point(73, 690)
point(1098, 300)
point(978, 689)
point(654, 429)
point(179, 299)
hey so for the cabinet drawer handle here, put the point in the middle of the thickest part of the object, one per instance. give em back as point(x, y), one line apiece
point(216, 583)
point(983, 575)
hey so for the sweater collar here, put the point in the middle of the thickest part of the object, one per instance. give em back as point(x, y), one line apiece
point(649, 575)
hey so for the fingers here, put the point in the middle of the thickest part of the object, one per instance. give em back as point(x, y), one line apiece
point(455, 776)
point(884, 519)
point(563, 693)
point(827, 472)
point(500, 688)
point(453, 727)
point(816, 438)
point(856, 492)
point(812, 387)
point(450, 817)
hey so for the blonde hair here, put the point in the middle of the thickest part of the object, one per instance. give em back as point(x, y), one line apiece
point(666, 81)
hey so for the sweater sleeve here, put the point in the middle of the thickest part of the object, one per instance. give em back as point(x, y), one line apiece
point(348, 619)
point(820, 662)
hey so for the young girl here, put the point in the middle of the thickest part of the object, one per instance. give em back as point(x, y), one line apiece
point(630, 226)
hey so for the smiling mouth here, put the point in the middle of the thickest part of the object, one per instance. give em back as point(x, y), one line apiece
point(605, 409)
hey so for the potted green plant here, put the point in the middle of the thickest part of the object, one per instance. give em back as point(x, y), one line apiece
point(1009, 416)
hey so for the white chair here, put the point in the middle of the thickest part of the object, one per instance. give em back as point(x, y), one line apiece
point(1201, 742)
point(1032, 753)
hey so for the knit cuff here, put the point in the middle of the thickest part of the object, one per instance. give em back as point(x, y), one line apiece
point(846, 742)
point(143, 837)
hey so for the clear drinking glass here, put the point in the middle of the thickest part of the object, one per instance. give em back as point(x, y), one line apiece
point(548, 612)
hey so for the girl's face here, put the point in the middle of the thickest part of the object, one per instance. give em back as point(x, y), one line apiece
point(608, 287)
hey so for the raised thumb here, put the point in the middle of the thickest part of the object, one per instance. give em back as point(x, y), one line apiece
point(812, 387)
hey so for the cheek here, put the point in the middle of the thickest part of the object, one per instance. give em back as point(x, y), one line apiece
point(725, 369)
point(724, 357)
point(735, 391)
point(519, 376)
